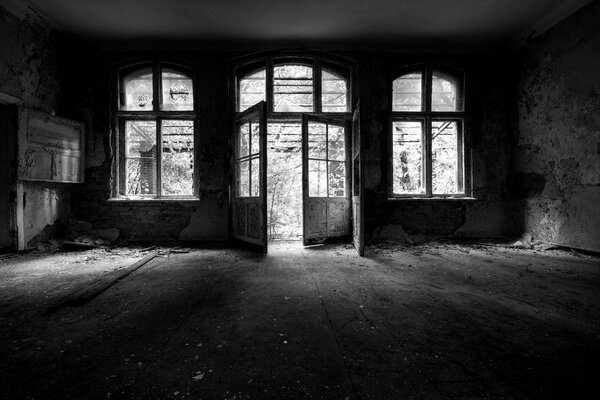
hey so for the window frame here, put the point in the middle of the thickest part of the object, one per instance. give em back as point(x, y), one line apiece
point(121, 116)
point(427, 116)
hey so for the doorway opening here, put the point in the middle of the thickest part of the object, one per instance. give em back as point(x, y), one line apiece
point(284, 181)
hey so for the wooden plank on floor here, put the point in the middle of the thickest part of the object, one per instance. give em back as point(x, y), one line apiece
point(84, 295)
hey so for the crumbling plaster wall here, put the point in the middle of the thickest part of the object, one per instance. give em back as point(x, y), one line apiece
point(28, 67)
point(557, 158)
point(490, 100)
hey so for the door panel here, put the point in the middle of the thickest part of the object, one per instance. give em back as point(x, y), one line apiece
point(249, 199)
point(326, 189)
point(358, 204)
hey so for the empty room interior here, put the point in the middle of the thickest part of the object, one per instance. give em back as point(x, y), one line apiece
point(351, 200)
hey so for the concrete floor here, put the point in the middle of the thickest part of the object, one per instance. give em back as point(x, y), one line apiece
point(437, 321)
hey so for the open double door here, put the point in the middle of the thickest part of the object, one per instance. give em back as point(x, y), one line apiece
point(331, 176)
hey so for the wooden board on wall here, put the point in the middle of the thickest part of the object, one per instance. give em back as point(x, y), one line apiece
point(51, 148)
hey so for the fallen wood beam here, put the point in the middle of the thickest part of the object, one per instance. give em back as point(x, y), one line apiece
point(84, 295)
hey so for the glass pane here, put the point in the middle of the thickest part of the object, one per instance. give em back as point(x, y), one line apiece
point(140, 156)
point(136, 90)
point(444, 92)
point(255, 171)
point(317, 140)
point(243, 178)
point(255, 137)
point(243, 140)
point(336, 139)
point(177, 91)
point(407, 93)
point(334, 90)
point(317, 178)
point(293, 88)
point(252, 89)
point(407, 147)
point(337, 179)
point(447, 176)
point(177, 157)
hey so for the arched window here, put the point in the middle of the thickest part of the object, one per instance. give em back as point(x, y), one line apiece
point(427, 138)
point(156, 124)
point(293, 87)
point(252, 88)
point(334, 91)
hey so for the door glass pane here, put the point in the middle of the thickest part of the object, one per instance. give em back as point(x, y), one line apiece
point(317, 178)
point(337, 179)
point(136, 90)
point(255, 177)
point(177, 157)
point(140, 157)
point(255, 137)
point(447, 174)
point(243, 142)
point(177, 91)
point(252, 89)
point(444, 92)
point(243, 178)
point(407, 147)
point(336, 143)
point(407, 93)
point(317, 140)
point(334, 90)
point(293, 88)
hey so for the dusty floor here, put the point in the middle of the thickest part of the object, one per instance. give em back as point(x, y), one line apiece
point(442, 321)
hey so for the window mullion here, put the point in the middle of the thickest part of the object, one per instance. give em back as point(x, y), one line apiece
point(317, 87)
point(158, 157)
point(156, 86)
point(269, 84)
point(428, 145)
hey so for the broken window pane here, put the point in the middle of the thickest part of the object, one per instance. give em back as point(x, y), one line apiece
point(252, 89)
point(317, 178)
point(444, 92)
point(177, 91)
point(336, 143)
point(140, 157)
point(243, 140)
point(407, 93)
point(407, 148)
point(255, 137)
point(333, 92)
point(177, 157)
point(317, 140)
point(445, 147)
point(292, 88)
point(136, 91)
point(337, 179)
point(243, 178)
point(255, 177)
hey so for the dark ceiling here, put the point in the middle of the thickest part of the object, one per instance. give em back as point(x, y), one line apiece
point(453, 25)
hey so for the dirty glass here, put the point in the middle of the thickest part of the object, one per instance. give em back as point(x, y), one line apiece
point(317, 178)
point(336, 143)
point(140, 157)
point(177, 91)
point(293, 88)
point(334, 91)
point(317, 140)
point(254, 137)
point(177, 157)
point(252, 89)
point(446, 174)
point(243, 178)
point(407, 148)
point(337, 178)
point(407, 93)
point(243, 142)
point(444, 93)
point(136, 91)
point(255, 177)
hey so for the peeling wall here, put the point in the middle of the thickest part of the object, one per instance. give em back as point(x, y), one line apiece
point(28, 67)
point(557, 156)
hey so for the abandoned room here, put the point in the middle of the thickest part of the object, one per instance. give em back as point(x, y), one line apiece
point(351, 200)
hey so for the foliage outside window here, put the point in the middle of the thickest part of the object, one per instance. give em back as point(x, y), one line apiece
point(427, 138)
point(156, 125)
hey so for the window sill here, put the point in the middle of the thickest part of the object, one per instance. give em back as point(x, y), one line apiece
point(153, 200)
point(434, 198)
